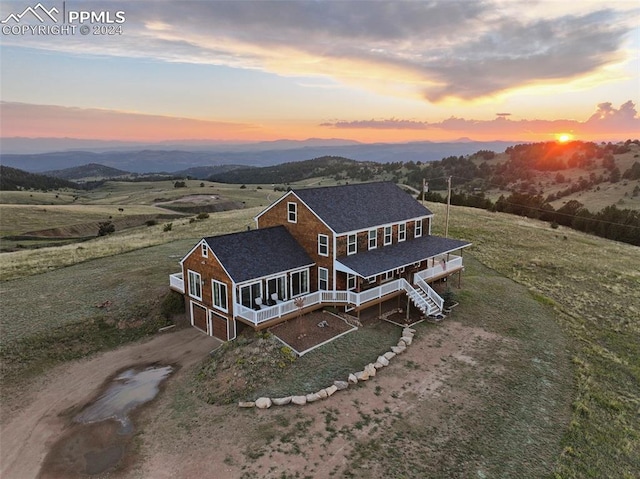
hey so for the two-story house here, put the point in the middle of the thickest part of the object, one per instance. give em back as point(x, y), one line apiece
point(350, 246)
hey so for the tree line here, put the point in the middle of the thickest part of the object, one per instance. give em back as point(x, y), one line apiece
point(611, 222)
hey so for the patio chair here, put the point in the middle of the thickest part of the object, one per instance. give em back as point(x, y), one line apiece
point(259, 304)
point(275, 299)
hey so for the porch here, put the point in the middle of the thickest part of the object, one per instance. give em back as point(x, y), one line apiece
point(422, 296)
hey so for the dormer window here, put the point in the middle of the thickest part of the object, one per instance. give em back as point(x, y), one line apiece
point(418, 230)
point(292, 212)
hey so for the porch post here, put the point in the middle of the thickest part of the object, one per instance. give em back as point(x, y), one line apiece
point(408, 304)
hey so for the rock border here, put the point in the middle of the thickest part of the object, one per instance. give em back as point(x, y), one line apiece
point(369, 371)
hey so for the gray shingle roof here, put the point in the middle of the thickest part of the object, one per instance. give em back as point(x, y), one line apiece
point(253, 254)
point(360, 206)
point(387, 258)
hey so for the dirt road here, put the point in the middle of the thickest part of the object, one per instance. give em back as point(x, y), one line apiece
point(34, 419)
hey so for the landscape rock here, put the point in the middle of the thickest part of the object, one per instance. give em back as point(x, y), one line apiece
point(246, 404)
point(408, 331)
point(370, 370)
point(299, 400)
point(407, 340)
point(322, 393)
point(362, 375)
point(312, 397)
point(340, 385)
point(398, 349)
point(353, 379)
point(281, 401)
point(401, 343)
point(263, 403)
point(331, 389)
point(378, 365)
point(389, 355)
point(382, 360)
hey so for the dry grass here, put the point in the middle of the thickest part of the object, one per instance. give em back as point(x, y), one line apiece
point(29, 262)
point(594, 284)
point(19, 219)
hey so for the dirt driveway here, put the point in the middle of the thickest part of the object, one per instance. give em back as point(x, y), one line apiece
point(37, 416)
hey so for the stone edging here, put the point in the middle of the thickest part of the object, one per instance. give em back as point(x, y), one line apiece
point(368, 372)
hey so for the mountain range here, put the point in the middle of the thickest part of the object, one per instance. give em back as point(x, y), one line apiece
point(172, 158)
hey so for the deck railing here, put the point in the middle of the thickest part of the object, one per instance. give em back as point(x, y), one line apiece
point(318, 297)
point(442, 266)
point(176, 282)
point(435, 297)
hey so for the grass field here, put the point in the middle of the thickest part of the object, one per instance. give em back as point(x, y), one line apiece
point(591, 285)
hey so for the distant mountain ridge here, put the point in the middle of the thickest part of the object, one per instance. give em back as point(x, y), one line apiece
point(90, 170)
point(262, 154)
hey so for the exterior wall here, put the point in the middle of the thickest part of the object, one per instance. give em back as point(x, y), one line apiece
point(305, 231)
point(209, 268)
point(363, 237)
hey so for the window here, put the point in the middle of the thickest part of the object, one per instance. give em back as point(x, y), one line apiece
point(418, 230)
point(299, 283)
point(351, 281)
point(277, 286)
point(387, 235)
point(402, 232)
point(323, 279)
point(205, 250)
point(195, 289)
point(323, 245)
point(373, 239)
point(249, 293)
point(219, 294)
point(352, 244)
point(292, 212)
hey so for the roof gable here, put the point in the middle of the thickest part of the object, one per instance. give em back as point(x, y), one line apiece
point(361, 206)
point(257, 253)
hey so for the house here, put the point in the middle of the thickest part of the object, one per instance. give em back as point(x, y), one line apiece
point(350, 246)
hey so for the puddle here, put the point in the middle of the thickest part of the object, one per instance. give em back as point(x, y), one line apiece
point(128, 390)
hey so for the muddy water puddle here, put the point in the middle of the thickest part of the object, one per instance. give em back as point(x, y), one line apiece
point(127, 391)
point(97, 441)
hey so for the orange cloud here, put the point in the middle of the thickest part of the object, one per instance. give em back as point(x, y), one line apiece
point(26, 120)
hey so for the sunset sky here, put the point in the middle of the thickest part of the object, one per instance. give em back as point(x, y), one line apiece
point(372, 71)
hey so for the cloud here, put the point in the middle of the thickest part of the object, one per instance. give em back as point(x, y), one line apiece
point(464, 49)
point(607, 119)
point(390, 124)
point(22, 120)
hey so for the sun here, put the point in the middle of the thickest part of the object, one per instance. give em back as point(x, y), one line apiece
point(564, 137)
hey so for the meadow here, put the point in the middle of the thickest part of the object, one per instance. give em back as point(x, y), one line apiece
point(578, 297)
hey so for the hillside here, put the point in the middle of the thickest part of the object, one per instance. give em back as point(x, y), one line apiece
point(13, 179)
point(334, 166)
point(90, 170)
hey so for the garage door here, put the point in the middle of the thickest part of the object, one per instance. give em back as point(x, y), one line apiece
point(199, 317)
point(219, 327)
